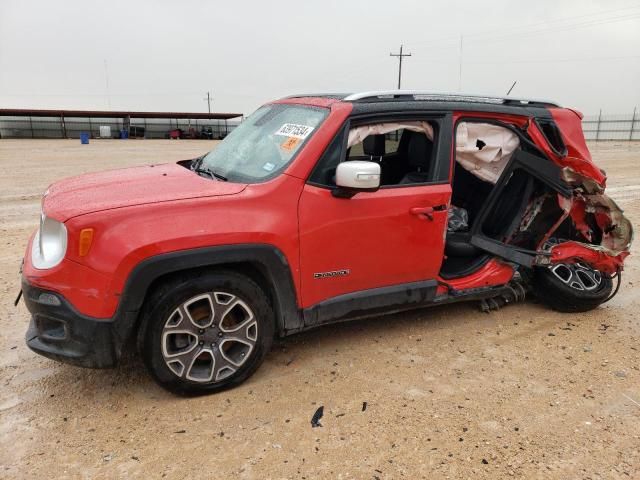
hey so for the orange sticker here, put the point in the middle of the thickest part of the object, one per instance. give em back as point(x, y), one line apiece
point(290, 143)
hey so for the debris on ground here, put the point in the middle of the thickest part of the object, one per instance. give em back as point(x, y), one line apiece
point(315, 420)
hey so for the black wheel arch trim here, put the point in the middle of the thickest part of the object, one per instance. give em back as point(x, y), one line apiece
point(268, 260)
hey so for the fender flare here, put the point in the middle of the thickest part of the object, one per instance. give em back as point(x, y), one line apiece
point(267, 259)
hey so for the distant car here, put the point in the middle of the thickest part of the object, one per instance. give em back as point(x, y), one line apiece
point(314, 210)
point(175, 133)
point(206, 133)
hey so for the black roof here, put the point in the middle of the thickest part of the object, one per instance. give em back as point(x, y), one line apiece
point(420, 106)
point(414, 101)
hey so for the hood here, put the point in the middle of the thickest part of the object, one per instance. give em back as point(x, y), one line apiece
point(126, 187)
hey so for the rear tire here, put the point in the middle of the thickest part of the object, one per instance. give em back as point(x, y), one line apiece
point(571, 288)
point(206, 333)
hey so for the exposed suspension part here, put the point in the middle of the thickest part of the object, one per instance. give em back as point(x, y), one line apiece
point(513, 292)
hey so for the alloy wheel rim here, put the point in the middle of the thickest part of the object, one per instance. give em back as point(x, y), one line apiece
point(209, 337)
point(577, 276)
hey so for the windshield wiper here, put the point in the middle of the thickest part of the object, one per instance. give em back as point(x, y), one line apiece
point(210, 173)
point(218, 176)
point(203, 171)
point(200, 170)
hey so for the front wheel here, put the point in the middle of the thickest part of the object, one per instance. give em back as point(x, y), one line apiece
point(206, 333)
point(571, 287)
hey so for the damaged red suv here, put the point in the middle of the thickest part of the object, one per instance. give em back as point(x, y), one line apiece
point(319, 209)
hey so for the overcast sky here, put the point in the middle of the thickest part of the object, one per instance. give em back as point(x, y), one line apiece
point(165, 55)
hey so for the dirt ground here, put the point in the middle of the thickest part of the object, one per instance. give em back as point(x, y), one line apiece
point(522, 392)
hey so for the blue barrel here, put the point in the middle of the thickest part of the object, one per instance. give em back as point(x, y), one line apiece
point(124, 134)
point(84, 138)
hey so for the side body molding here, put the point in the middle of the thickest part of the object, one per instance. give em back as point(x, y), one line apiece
point(383, 300)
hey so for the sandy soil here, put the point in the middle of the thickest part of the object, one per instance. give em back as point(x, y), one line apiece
point(450, 393)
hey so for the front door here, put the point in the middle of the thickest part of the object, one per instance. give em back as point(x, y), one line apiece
point(381, 240)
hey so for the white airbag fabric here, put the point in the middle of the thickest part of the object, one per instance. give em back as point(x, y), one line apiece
point(484, 149)
point(358, 134)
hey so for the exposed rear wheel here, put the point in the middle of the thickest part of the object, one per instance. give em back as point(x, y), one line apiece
point(571, 287)
point(206, 333)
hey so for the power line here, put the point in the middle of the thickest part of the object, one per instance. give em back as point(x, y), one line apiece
point(556, 60)
point(569, 23)
point(400, 57)
point(556, 29)
point(548, 23)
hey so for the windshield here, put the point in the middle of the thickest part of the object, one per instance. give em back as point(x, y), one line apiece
point(264, 144)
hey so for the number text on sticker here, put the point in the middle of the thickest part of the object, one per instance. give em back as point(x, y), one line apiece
point(294, 130)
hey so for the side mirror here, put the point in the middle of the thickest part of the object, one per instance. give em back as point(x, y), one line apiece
point(356, 176)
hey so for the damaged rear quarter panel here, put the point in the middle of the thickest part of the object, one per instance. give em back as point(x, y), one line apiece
point(588, 181)
point(578, 158)
point(616, 233)
point(601, 235)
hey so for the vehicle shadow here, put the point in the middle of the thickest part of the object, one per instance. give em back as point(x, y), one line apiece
point(130, 378)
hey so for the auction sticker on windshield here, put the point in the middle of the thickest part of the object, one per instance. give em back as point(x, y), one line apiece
point(290, 143)
point(294, 130)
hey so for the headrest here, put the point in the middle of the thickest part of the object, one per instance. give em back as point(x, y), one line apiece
point(419, 150)
point(373, 145)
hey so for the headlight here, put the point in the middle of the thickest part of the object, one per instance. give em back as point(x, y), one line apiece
point(50, 244)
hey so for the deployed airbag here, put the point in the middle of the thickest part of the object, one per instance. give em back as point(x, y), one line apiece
point(484, 149)
point(358, 134)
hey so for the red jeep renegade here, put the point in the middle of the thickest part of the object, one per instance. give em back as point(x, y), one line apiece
point(319, 209)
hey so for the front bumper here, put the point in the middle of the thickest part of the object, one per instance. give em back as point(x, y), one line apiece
point(59, 332)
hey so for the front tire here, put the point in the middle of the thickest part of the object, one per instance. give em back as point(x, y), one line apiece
point(571, 288)
point(207, 332)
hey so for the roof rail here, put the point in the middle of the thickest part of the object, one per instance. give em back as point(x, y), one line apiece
point(307, 95)
point(444, 96)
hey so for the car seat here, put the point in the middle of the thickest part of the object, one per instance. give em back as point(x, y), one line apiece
point(419, 152)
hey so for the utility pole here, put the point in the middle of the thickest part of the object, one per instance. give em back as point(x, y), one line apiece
point(208, 99)
point(460, 67)
point(106, 83)
point(400, 57)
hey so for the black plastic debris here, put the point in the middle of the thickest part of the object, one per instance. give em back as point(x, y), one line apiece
point(15, 304)
point(364, 406)
point(315, 420)
point(457, 219)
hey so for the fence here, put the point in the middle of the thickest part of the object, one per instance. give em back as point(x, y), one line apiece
point(70, 127)
point(595, 127)
point(612, 127)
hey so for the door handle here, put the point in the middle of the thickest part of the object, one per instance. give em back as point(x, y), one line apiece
point(423, 212)
point(427, 211)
